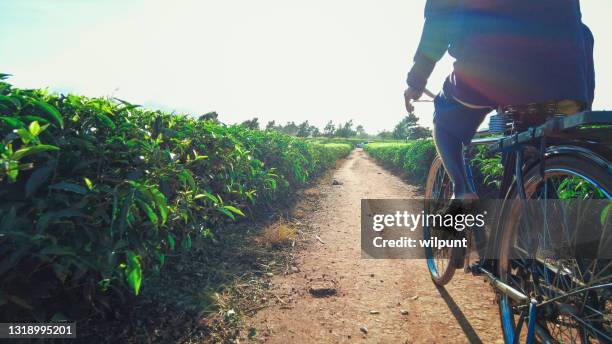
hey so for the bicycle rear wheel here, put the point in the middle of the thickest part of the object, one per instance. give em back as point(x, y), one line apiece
point(440, 262)
point(573, 314)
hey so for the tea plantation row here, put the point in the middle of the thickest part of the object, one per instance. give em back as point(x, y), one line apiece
point(94, 193)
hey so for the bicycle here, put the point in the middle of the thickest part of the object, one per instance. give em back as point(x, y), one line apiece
point(540, 299)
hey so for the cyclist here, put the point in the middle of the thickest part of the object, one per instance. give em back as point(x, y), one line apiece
point(507, 53)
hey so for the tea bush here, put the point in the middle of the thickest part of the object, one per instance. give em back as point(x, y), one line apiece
point(94, 193)
point(413, 157)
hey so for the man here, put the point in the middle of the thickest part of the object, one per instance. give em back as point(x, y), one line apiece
point(508, 53)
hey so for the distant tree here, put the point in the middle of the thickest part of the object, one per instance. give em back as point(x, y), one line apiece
point(303, 129)
point(409, 129)
point(361, 131)
point(252, 124)
point(402, 129)
point(290, 128)
point(385, 135)
point(314, 131)
point(345, 130)
point(210, 116)
point(271, 125)
point(329, 130)
point(419, 132)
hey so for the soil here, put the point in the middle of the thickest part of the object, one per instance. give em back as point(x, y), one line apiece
point(332, 295)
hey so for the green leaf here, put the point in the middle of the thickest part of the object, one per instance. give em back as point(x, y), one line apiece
point(13, 171)
point(34, 128)
point(104, 284)
point(186, 244)
point(159, 197)
point(33, 150)
point(163, 212)
point(25, 135)
point(13, 122)
point(171, 241)
point(161, 257)
point(38, 178)
point(208, 195)
point(51, 216)
point(186, 177)
point(234, 210)
point(89, 184)
point(30, 118)
point(128, 106)
point(106, 120)
point(65, 186)
point(227, 212)
point(133, 272)
point(11, 99)
point(150, 213)
point(125, 211)
point(160, 202)
point(49, 110)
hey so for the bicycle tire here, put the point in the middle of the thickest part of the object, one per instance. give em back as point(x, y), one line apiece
point(439, 275)
point(573, 164)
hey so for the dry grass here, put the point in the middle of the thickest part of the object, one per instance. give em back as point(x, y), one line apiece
point(281, 233)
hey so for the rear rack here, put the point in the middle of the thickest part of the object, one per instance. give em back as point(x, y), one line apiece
point(578, 126)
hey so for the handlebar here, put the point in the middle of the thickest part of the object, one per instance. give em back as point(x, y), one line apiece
point(427, 93)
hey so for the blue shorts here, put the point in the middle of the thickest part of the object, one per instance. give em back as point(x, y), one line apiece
point(456, 119)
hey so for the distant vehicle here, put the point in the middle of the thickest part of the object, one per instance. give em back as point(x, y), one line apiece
point(361, 144)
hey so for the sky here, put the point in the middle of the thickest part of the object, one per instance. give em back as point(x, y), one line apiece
point(282, 60)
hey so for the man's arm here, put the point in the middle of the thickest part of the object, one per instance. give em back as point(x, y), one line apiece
point(434, 41)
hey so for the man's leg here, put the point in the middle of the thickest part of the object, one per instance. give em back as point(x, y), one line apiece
point(454, 126)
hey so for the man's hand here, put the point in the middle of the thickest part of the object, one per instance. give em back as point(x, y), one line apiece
point(411, 94)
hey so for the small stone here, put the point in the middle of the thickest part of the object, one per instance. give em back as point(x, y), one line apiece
point(404, 312)
point(415, 297)
point(335, 182)
point(364, 329)
point(322, 290)
point(374, 312)
point(294, 269)
point(269, 274)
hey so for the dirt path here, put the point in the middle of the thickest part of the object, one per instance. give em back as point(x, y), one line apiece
point(463, 312)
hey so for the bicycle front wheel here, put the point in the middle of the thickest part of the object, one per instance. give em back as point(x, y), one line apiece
point(439, 188)
point(573, 291)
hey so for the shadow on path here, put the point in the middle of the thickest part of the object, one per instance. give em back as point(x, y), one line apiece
point(458, 314)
